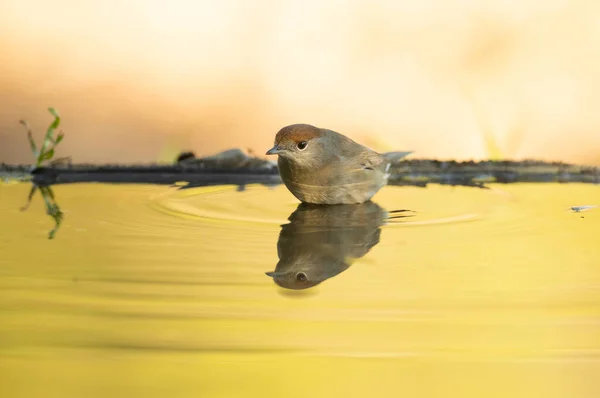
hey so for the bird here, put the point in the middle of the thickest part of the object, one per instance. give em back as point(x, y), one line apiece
point(321, 166)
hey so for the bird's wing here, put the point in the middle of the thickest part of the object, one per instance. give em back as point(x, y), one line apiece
point(371, 161)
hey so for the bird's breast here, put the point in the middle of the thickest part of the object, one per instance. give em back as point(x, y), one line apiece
point(332, 184)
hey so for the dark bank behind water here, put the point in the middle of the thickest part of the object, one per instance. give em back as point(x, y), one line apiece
point(406, 172)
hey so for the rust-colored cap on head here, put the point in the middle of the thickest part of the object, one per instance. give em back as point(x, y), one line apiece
point(297, 133)
point(293, 134)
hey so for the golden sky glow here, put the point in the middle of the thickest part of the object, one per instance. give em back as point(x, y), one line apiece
point(135, 79)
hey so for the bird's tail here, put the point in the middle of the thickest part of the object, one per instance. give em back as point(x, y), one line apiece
point(393, 157)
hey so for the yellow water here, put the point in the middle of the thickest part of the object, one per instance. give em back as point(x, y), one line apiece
point(152, 291)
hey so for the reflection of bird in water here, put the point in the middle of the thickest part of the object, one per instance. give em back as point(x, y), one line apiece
point(322, 241)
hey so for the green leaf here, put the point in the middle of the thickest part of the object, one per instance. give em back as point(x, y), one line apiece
point(56, 122)
point(32, 144)
point(30, 138)
point(54, 125)
point(50, 193)
point(59, 138)
point(54, 112)
point(31, 193)
point(54, 211)
point(48, 155)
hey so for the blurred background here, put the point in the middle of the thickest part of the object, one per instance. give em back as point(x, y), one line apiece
point(140, 80)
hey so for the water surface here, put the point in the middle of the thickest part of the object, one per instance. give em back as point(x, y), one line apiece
point(159, 291)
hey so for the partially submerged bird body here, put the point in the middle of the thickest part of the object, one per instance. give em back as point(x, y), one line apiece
point(321, 166)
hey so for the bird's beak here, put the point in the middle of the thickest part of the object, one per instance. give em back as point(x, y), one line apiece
point(274, 151)
point(273, 274)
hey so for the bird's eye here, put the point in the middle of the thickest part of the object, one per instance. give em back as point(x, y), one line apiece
point(302, 145)
point(301, 277)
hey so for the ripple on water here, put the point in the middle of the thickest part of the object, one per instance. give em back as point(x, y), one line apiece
point(260, 204)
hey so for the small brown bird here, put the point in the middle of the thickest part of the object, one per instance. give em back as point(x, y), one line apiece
point(321, 166)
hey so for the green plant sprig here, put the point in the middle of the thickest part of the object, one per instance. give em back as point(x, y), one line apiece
point(46, 151)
